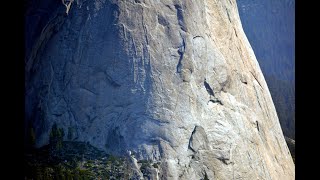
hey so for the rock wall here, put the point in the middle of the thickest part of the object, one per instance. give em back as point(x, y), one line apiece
point(175, 82)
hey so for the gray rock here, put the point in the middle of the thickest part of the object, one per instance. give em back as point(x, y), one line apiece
point(132, 75)
point(198, 139)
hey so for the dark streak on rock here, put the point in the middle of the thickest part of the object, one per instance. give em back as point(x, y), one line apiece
point(88, 90)
point(91, 119)
point(205, 176)
point(228, 15)
point(111, 81)
point(235, 32)
point(180, 17)
point(181, 51)
point(190, 140)
point(256, 79)
point(216, 101)
point(162, 20)
point(168, 6)
point(57, 114)
point(197, 37)
point(224, 160)
point(208, 88)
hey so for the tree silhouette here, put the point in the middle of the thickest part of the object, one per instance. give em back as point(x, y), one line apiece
point(56, 137)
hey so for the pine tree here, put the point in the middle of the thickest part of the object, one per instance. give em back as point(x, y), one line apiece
point(56, 138)
point(70, 133)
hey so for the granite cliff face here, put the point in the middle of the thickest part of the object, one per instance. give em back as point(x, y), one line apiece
point(174, 82)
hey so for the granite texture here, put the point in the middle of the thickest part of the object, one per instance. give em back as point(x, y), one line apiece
point(169, 81)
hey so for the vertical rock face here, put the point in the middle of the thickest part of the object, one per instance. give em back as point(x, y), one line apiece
point(171, 81)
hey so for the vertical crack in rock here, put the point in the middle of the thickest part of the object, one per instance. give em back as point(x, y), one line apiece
point(228, 15)
point(208, 88)
point(205, 176)
point(180, 17)
point(198, 139)
point(213, 99)
point(235, 32)
point(256, 80)
point(162, 20)
point(181, 51)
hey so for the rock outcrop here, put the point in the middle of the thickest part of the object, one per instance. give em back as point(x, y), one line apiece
point(172, 82)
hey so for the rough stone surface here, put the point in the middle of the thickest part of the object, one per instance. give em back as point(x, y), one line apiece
point(169, 81)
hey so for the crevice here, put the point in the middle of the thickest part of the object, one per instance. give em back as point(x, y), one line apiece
point(180, 17)
point(198, 141)
point(57, 114)
point(197, 37)
point(205, 176)
point(168, 6)
point(88, 90)
point(235, 32)
point(90, 120)
point(257, 125)
point(208, 88)
point(145, 30)
point(257, 95)
point(181, 51)
point(111, 81)
point(228, 15)
point(211, 93)
point(224, 160)
point(162, 20)
point(215, 101)
point(256, 79)
point(134, 47)
point(190, 140)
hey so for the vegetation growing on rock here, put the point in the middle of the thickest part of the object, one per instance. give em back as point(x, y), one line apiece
point(73, 160)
